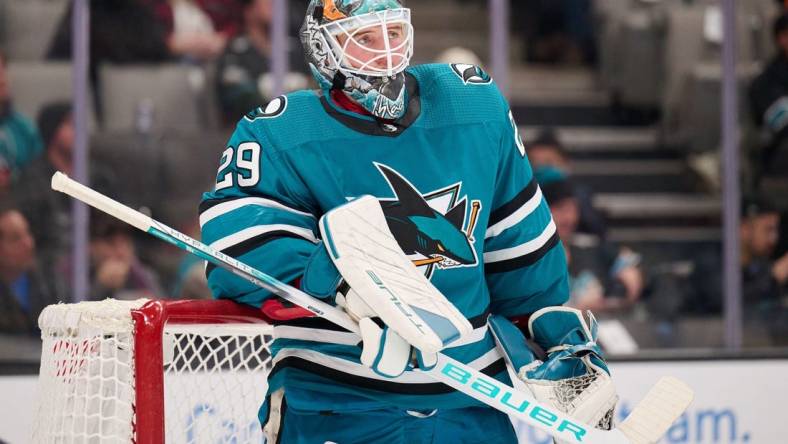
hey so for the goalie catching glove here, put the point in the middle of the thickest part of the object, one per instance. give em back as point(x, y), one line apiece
point(393, 302)
point(574, 378)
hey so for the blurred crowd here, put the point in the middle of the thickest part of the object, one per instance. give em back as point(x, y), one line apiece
point(609, 278)
point(231, 39)
point(232, 36)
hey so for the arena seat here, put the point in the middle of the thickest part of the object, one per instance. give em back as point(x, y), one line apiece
point(34, 84)
point(608, 17)
point(632, 57)
point(166, 171)
point(191, 160)
point(699, 110)
point(689, 65)
point(648, 46)
point(28, 27)
point(766, 12)
point(640, 58)
point(3, 26)
point(137, 165)
point(152, 97)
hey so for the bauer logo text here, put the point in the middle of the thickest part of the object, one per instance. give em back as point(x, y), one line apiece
point(498, 393)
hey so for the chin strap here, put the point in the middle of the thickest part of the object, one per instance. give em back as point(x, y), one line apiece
point(339, 81)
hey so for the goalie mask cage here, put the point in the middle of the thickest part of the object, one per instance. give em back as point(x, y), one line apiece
point(151, 372)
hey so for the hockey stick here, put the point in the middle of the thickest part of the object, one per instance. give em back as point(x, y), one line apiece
point(649, 420)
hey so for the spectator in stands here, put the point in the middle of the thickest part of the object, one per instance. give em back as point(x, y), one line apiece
point(190, 281)
point(769, 95)
point(116, 271)
point(6, 178)
point(556, 31)
point(197, 29)
point(150, 31)
point(50, 213)
point(121, 31)
point(20, 142)
point(763, 278)
point(601, 277)
point(24, 288)
point(244, 81)
point(546, 151)
point(782, 246)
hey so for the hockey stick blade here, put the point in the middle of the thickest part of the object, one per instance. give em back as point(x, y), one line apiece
point(652, 417)
point(640, 429)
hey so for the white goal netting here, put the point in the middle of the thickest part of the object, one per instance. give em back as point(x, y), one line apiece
point(177, 372)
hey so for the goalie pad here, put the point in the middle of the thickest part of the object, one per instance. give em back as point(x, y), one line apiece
point(586, 394)
point(371, 262)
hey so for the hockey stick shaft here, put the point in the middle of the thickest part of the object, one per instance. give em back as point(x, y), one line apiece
point(64, 184)
point(448, 371)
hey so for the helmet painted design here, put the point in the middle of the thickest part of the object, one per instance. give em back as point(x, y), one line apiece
point(363, 48)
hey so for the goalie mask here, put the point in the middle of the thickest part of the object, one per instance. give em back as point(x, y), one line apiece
point(361, 47)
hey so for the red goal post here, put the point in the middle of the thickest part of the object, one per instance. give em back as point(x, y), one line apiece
point(151, 372)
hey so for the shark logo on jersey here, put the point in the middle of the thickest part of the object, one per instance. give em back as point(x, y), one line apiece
point(275, 108)
point(432, 229)
point(471, 74)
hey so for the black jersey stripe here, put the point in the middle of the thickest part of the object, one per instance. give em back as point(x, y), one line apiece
point(252, 243)
point(337, 376)
point(513, 205)
point(524, 260)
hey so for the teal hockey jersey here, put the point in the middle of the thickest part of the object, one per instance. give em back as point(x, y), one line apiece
point(458, 194)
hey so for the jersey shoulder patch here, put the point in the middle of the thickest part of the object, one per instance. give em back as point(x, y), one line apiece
point(272, 110)
point(449, 74)
point(471, 74)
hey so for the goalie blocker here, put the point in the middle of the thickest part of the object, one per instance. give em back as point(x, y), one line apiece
point(359, 265)
point(371, 262)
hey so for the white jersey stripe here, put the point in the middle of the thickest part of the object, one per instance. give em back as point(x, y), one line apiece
point(344, 338)
point(357, 369)
point(522, 249)
point(248, 233)
point(226, 207)
point(516, 217)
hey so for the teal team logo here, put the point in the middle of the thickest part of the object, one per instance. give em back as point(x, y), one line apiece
point(435, 230)
point(273, 109)
point(471, 74)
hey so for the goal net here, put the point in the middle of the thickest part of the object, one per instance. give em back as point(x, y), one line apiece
point(151, 372)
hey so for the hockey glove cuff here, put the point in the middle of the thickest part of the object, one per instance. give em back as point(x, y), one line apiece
point(383, 350)
point(568, 339)
point(574, 378)
point(321, 278)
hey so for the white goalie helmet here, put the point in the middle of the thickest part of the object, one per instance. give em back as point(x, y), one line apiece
point(363, 48)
